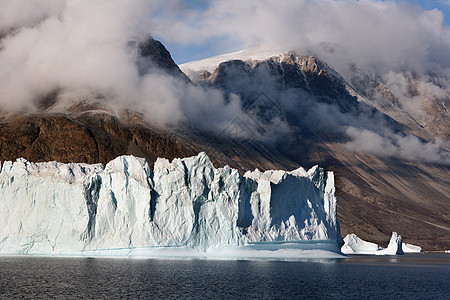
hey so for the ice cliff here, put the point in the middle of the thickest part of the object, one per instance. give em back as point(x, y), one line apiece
point(56, 208)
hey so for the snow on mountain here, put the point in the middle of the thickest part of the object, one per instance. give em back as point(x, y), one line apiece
point(56, 208)
point(210, 64)
point(355, 245)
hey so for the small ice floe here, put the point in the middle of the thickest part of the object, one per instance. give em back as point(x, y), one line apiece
point(355, 245)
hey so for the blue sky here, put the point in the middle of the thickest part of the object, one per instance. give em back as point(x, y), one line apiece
point(442, 5)
point(186, 52)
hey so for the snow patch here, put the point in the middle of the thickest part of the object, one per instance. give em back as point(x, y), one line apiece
point(252, 54)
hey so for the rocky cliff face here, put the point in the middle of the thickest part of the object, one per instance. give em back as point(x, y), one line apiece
point(98, 137)
point(285, 72)
point(152, 53)
point(89, 137)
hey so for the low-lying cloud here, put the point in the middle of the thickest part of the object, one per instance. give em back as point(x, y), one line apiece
point(78, 45)
point(84, 48)
point(391, 144)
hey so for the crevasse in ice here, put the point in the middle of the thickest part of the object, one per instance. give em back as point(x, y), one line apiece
point(64, 208)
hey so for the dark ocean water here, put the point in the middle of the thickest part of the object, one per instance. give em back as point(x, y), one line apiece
point(406, 277)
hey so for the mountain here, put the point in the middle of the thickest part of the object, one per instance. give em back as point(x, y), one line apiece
point(377, 193)
point(302, 112)
point(91, 130)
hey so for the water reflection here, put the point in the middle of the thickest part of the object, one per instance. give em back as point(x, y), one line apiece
point(409, 276)
point(416, 259)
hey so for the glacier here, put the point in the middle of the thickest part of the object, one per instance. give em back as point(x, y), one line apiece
point(354, 245)
point(186, 207)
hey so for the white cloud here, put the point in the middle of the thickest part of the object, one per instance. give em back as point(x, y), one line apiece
point(24, 13)
point(382, 38)
point(376, 34)
point(390, 144)
point(82, 47)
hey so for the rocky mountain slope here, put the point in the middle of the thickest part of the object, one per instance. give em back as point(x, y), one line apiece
point(301, 109)
point(378, 193)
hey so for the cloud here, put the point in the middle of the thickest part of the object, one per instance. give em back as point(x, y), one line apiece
point(23, 13)
point(415, 92)
point(391, 144)
point(83, 48)
point(403, 45)
point(88, 47)
point(376, 34)
point(79, 45)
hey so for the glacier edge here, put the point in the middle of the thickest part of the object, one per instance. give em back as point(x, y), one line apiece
point(125, 207)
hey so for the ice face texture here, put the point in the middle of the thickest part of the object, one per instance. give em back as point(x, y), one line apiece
point(355, 245)
point(61, 208)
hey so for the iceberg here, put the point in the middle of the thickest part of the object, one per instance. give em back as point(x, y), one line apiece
point(185, 206)
point(409, 248)
point(355, 245)
point(394, 247)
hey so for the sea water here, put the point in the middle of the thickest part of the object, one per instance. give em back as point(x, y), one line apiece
point(420, 276)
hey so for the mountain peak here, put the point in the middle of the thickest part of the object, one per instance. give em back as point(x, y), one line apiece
point(250, 54)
